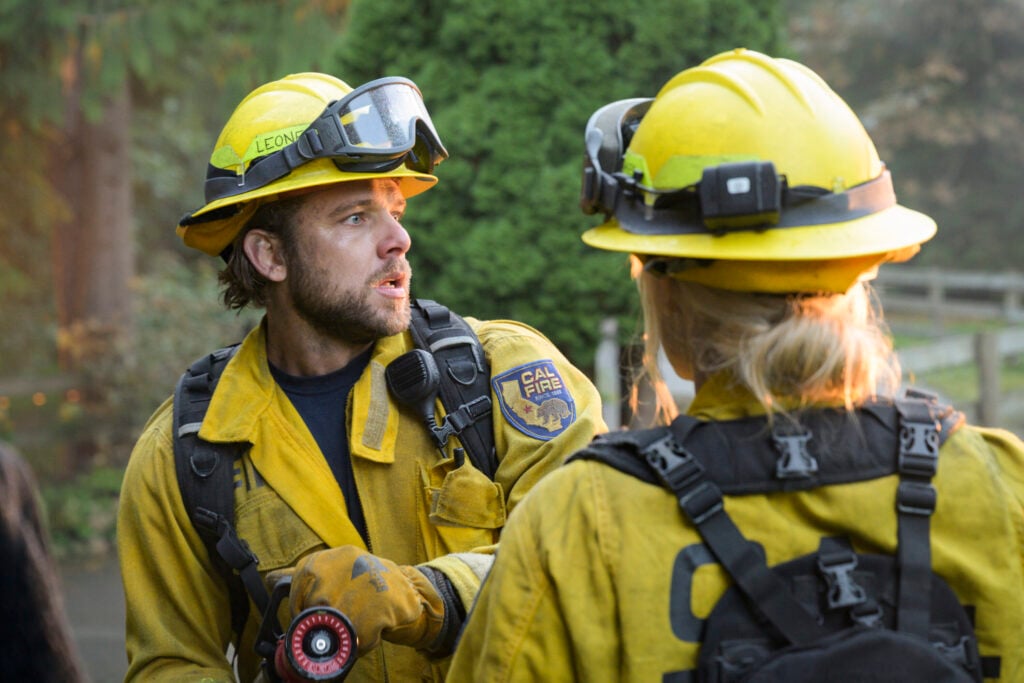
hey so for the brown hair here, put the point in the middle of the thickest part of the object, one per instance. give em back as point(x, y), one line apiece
point(243, 285)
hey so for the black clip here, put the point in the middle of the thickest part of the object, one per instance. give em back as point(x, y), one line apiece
point(837, 568)
point(795, 461)
point(919, 449)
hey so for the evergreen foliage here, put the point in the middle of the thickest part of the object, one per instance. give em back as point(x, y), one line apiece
point(510, 86)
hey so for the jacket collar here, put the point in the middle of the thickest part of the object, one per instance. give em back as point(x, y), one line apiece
point(722, 397)
point(372, 433)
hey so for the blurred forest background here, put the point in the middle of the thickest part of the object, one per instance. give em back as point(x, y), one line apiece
point(109, 111)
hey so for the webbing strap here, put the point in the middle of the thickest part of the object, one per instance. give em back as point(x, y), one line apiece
point(465, 378)
point(701, 502)
point(906, 441)
point(206, 481)
point(918, 462)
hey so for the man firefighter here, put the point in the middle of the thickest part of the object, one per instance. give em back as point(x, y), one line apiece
point(358, 497)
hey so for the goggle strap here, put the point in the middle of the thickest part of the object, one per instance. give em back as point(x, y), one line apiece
point(325, 138)
point(276, 165)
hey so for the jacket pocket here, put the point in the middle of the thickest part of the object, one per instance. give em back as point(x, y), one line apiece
point(273, 531)
point(467, 510)
point(468, 498)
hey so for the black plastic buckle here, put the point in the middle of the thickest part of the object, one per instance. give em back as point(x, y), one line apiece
point(232, 549)
point(868, 614)
point(919, 449)
point(916, 498)
point(957, 653)
point(674, 464)
point(843, 591)
point(795, 461)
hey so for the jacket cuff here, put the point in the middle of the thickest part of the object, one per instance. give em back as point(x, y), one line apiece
point(454, 614)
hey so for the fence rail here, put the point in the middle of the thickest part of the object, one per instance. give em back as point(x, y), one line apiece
point(940, 296)
point(945, 294)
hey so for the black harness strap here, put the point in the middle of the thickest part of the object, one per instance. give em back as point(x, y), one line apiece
point(465, 387)
point(918, 461)
point(701, 502)
point(205, 472)
point(903, 437)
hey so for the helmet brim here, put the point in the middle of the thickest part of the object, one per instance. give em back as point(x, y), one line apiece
point(890, 230)
point(200, 230)
point(819, 258)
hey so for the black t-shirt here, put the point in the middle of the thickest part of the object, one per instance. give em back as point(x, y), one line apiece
point(321, 402)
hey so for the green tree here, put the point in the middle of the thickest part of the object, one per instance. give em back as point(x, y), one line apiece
point(89, 88)
point(510, 86)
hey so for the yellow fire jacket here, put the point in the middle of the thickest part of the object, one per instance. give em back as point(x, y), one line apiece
point(587, 585)
point(419, 507)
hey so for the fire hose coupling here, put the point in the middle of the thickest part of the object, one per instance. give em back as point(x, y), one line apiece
point(319, 645)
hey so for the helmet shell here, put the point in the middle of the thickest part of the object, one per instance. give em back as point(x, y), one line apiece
point(269, 118)
point(745, 106)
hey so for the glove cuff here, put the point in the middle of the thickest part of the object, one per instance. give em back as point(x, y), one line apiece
point(454, 614)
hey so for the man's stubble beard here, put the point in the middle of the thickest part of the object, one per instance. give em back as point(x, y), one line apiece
point(349, 317)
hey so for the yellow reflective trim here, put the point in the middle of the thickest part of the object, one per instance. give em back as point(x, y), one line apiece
point(683, 171)
point(225, 157)
point(271, 141)
point(631, 161)
point(261, 145)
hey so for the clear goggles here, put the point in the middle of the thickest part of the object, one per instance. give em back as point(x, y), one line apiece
point(374, 129)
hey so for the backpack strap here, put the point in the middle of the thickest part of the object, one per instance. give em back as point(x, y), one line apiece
point(787, 457)
point(701, 501)
point(917, 462)
point(205, 473)
point(698, 481)
point(465, 377)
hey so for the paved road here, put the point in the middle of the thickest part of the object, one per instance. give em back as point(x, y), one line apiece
point(95, 605)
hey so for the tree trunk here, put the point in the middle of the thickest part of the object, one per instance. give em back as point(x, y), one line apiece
point(93, 250)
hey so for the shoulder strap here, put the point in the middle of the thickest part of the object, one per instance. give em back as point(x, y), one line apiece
point(465, 377)
point(790, 455)
point(205, 473)
point(675, 458)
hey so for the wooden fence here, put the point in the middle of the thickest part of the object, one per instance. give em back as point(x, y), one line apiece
point(942, 295)
point(939, 298)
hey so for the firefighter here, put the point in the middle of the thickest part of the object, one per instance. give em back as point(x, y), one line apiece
point(756, 211)
point(337, 484)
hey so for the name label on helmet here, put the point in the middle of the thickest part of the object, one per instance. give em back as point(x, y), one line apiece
point(262, 145)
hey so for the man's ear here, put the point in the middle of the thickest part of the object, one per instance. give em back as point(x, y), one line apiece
point(265, 254)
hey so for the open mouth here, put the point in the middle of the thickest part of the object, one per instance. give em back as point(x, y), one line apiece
point(397, 281)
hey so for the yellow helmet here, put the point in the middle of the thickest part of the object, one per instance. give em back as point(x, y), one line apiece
point(746, 173)
point(307, 130)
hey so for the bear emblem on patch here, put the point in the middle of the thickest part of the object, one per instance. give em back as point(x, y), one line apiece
point(534, 399)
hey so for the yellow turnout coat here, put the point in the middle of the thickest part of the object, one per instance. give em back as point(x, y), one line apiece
point(587, 585)
point(419, 507)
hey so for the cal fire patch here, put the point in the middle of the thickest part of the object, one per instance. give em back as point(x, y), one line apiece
point(534, 400)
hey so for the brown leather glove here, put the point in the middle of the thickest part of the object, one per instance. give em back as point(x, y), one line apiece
point(382, 599)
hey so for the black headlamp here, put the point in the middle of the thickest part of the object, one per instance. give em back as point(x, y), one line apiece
point(734, 196)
